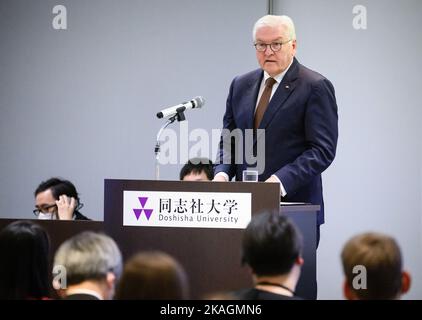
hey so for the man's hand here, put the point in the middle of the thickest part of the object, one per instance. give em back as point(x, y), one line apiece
point(66, 206)
point(272, 179)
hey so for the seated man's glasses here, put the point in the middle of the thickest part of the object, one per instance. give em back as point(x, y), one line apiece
point(275, 46)
point(43, 209)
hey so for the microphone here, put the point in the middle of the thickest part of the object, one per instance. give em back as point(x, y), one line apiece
point(196, 102)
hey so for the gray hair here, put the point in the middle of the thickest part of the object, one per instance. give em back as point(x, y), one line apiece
point(275, 21)
point(89, 256)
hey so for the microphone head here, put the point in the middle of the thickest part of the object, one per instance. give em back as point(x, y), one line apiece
point(198, 101)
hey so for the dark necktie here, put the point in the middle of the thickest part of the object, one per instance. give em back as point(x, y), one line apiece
point(263, 102)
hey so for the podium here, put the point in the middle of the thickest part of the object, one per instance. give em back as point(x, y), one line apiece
point(210, 256)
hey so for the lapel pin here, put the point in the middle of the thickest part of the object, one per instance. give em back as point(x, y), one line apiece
point(287, 86)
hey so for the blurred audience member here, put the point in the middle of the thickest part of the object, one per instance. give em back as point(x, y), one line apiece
point(24, 267)
point(57, 199)
point(372, 264)
point(153, 276)
point(220, 295)
point(197, 169)
point(92, 264)
point(272, 248)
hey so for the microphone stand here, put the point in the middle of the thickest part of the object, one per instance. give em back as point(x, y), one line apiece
point(179, 116)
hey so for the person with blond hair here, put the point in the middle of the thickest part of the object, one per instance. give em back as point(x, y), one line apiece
point(373, 268)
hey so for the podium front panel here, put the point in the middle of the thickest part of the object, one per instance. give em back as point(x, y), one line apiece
point(210, 256)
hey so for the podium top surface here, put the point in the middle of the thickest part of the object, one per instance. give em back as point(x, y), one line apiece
point(311, 208)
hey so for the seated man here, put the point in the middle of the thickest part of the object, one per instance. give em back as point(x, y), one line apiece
point(57, 199)
point(272, 248)
point(197, 169)
point(372, 265)
point(92, 263)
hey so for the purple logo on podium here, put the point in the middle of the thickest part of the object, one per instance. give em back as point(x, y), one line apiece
point(138, 212)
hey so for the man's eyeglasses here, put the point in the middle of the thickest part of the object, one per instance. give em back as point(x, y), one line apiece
point(275, 46)
point(45, 209)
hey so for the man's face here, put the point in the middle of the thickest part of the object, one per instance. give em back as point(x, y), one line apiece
point(193, 176)
point(45, 201)
point(274, 62)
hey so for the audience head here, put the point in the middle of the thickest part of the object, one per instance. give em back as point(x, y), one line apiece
point(197, 169)
point(153, 276)
point(271, 245)
point(49, 193)
point(91, 260)
point(24, 267)
point(372, 264)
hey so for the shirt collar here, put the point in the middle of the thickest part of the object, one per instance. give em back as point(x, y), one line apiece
point(84, 291)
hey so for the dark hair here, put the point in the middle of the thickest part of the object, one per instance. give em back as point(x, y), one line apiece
point(24, 267)
point(381, 257)
point(152, 275)
point(58, 187)
point(271, 244)
point(198, 165)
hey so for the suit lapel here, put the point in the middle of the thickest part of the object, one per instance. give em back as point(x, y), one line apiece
point(285, 88)
point(251, 94)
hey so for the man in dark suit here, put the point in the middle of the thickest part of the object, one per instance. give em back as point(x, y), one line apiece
point(57, 199)
point(272, 248)
point(292, 112)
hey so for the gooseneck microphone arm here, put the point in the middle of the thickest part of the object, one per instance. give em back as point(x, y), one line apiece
point(180, 116)
point(175, 112)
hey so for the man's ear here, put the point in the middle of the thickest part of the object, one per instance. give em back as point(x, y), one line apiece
point(348, 292)
point(406, 281)
point(110, 280)
point(294, 46)
point(300, 261)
